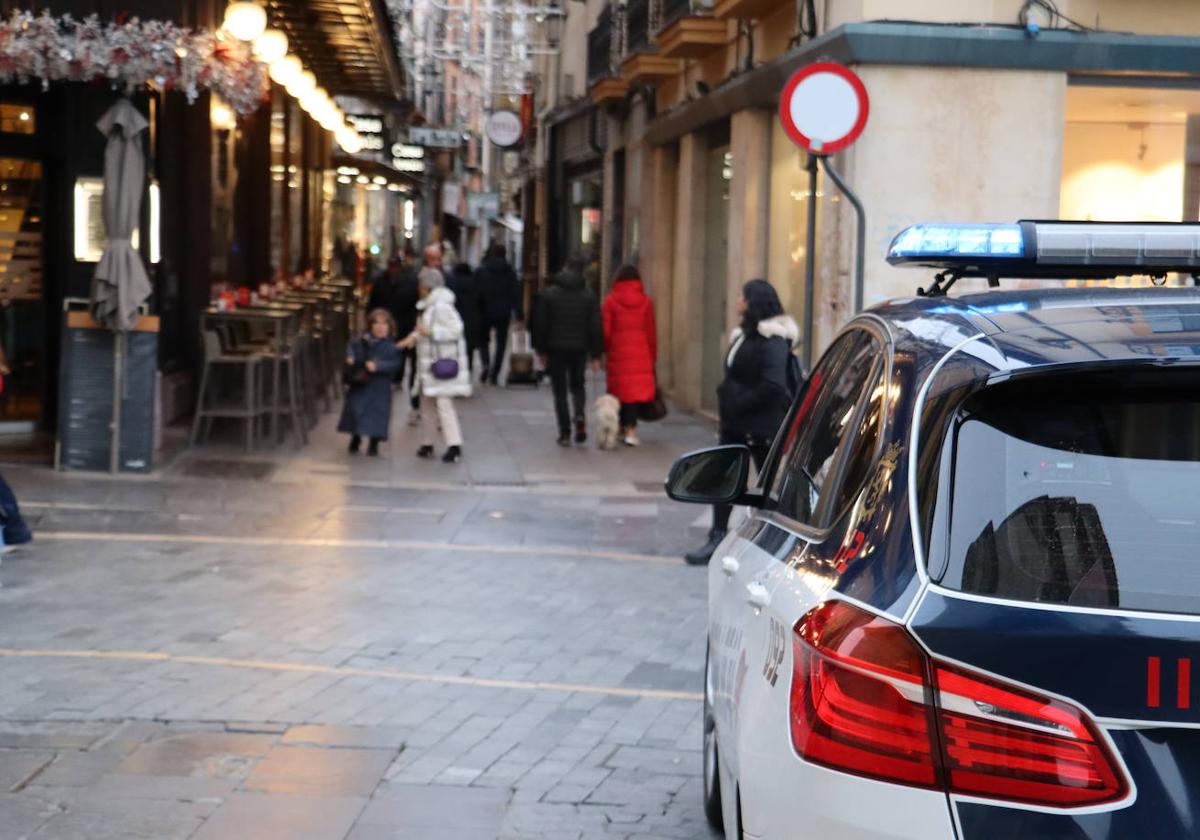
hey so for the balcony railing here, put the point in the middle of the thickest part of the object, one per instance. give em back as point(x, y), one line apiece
point(602, 44)
point(637, 26)
point(673, 10)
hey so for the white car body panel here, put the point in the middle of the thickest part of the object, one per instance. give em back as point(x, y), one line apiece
point(784, 797)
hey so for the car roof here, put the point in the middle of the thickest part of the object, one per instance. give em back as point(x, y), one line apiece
point(1040, 327)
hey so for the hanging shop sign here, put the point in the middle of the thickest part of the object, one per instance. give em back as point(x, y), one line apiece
point(824, 107)
point(503, 128)
point(370, 128)
point(130, 55)
point(437, 138)
point(408, 158)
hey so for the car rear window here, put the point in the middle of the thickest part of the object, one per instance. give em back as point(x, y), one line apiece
point(1079, 489)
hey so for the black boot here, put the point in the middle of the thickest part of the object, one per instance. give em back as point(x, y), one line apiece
point(453, 455)
point(580, 430)
point(425, 452)
point(702, 555)
point(355, 442)
point(373, 447)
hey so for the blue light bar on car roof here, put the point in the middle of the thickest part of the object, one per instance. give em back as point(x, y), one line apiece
point(967, 241)
point(1051, 249)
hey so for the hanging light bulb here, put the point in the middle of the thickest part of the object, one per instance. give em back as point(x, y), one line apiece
point(314, 100)
point(221, 115)
point(271, 46)
point(245, 20)
point(286, 70)
point(302, 85)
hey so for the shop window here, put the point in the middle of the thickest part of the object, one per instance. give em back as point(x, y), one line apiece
point(17, 119)
point(1125, 157)
point(1125, 154)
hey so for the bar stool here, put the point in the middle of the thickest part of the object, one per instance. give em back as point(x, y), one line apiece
point(210, 406)
point(291, 404)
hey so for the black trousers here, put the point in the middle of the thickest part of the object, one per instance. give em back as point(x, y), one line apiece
point(758, 451)
point(630, 412)
point(567, 373)
point(408, 361)
point(492, 362)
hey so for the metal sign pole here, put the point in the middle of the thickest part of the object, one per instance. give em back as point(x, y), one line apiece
point(861, 247)
point(810, 262)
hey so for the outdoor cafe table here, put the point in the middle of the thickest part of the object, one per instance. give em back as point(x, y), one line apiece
point(280, 317)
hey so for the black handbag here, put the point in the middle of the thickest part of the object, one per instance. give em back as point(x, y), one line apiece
point(654, 410)
point(355, 374)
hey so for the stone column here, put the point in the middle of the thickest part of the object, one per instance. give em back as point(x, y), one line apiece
point(657, 244)
point(749, 202)
point(687, 304)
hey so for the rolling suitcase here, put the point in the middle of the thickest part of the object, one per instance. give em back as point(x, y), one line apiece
point(522, 364)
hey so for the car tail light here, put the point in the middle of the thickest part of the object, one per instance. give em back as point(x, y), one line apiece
point(866, 699)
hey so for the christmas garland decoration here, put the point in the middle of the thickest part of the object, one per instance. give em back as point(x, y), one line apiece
point(130, 54)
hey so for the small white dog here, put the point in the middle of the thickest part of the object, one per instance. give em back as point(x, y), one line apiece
point(607, 409)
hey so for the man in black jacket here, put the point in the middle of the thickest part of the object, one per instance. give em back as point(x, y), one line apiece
point(566, 331)
point(500, 300)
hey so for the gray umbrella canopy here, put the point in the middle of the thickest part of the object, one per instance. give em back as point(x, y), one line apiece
point(121, 284)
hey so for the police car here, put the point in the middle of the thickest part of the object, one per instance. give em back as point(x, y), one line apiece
point(966, 602)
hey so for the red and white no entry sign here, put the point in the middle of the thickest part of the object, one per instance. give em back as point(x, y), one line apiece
point(824, 107)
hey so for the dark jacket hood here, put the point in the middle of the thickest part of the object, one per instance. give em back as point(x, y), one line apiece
point(494, 263)
point(569, 280)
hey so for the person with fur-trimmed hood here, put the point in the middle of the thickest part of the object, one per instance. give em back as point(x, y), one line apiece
point(441, 364)
point(757, 390)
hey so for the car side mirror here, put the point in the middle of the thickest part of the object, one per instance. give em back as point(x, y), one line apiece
point(716, 476)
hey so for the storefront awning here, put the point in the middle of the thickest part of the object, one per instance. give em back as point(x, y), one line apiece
point(348, 44)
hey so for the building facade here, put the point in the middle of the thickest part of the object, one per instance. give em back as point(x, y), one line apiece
point(981, 110)
point(229, 200)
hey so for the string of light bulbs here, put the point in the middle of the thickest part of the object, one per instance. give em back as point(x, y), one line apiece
point(247, 21)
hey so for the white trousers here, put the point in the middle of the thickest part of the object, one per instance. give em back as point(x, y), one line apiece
point(446, 416)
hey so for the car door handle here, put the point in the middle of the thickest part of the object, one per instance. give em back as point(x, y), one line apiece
point(730, 565)
point(757, 595)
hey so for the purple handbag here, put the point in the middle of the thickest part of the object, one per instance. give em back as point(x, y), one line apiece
point(444, 368)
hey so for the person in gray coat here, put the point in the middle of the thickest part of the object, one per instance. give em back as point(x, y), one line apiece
point(367, 410)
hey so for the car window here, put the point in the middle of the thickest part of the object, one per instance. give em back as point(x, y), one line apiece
point(827, 414)
point(1079, 489)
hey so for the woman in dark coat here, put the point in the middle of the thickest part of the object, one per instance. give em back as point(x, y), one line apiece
point(367, 411)
point(465, 286)
point(754, 396)
point(631, 345)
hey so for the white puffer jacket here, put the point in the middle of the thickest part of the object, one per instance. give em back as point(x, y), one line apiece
point(445, 341)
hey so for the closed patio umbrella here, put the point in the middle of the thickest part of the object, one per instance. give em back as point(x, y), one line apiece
point(120, 285)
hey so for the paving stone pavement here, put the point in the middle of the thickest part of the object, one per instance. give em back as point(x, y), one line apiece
point(303, 644)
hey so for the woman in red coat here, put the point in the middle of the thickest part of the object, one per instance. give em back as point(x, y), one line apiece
point(631, 344)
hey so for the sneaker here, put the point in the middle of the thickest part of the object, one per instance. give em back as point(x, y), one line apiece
point(580, 432)
point(564, 439)
point(631, 439)
point(453, 455)
point(425, 452)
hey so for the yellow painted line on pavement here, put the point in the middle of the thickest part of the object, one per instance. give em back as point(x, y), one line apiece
point(346, 671)
point(317, 542)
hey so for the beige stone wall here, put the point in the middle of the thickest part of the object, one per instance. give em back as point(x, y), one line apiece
point(929, 153)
